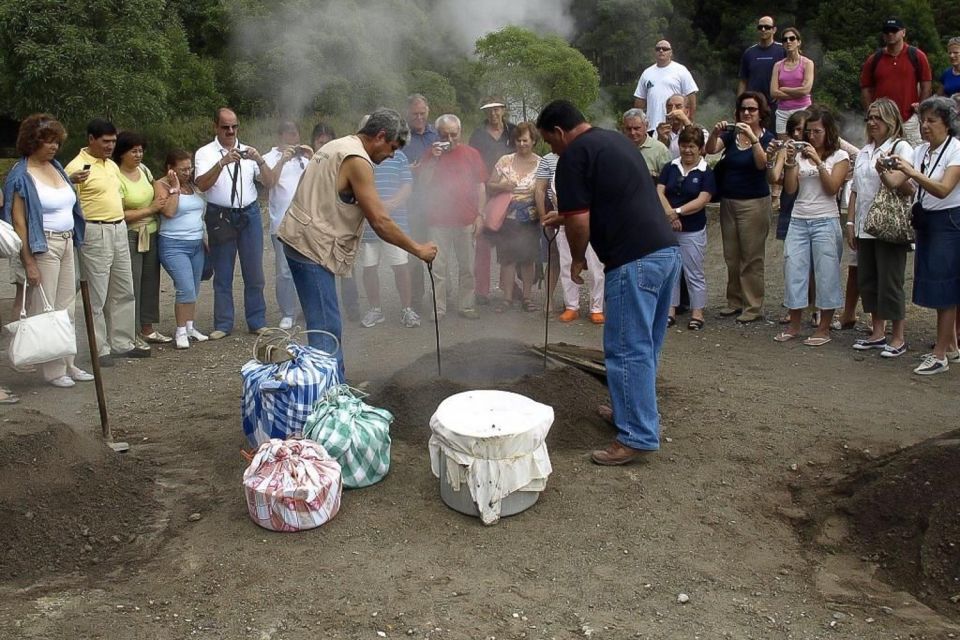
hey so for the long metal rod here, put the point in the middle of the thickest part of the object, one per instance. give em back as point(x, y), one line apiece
point(546, 307)
point(95, 360)
point(436, 318)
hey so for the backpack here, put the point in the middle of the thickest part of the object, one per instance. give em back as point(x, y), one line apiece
point(911, 53)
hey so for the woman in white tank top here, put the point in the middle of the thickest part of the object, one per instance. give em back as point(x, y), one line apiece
point(44, 203)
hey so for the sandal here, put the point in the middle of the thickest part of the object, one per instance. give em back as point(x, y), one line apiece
point(695, 324)
point(529, 305)
point(8, 398)
point(814, 341)
point(784, 336)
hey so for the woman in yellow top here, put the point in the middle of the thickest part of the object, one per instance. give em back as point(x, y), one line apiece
point(140, 209)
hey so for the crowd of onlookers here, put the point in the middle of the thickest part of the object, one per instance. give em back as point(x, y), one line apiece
point(107, 214)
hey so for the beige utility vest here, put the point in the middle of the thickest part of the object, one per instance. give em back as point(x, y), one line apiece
point(318, 223)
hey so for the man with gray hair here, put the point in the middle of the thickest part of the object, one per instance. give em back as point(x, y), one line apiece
point(454, 178)
point(654, 152)
point(322, 228)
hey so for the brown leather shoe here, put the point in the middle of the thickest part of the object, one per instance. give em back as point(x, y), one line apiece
point(616, 454)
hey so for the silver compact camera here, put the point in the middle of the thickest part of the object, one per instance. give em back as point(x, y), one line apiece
point(888, 163)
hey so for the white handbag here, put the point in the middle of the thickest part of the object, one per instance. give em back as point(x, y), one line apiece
point(9, 240)
point(47, 336)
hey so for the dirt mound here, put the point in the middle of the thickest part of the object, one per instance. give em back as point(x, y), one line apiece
point(414, 393)
point(905, 513)
point(66, 500)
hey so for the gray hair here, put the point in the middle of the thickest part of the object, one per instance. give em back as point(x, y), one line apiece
point(448, 118)
point(954, 41)
point(943, 108)
point(635, 113)
point(417, 97)
point(388, 121)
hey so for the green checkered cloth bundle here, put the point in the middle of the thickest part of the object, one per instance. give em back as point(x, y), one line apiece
point(354, 433)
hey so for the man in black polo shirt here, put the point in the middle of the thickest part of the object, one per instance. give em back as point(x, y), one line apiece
point(606, 200)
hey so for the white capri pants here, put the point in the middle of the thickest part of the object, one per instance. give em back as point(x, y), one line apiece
point(693, 245)
point(571, 290)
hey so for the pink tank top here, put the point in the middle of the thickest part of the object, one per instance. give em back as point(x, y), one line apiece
point(792, 79)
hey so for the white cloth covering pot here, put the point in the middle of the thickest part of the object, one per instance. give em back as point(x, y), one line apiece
point(494, 442)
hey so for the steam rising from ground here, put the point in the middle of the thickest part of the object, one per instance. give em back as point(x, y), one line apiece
point(355, 54)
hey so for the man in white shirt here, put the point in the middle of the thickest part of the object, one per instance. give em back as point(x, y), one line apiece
point(226, 170)
point(287, 161)
point(660, 81)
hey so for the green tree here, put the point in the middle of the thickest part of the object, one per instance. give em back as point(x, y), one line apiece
point(128, 61)
point(531, 70)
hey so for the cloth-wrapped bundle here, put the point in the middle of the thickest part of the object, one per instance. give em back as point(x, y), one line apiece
point(292, 485)
point(354, 433)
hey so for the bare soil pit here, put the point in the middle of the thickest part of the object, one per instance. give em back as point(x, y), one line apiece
point(67, 501)
point(414, 393)
point(903, 511)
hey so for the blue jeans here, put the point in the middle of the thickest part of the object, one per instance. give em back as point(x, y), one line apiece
point(816, 242)
point(249, 245)
point(286, 290)
point(317, 289)
point(637, 297)
point(183, 260)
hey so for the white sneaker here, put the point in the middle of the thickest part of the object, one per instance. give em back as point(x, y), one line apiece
point(409, 318)
point(183, 341)
point(64, 382)
point(932, 365)
point(196, 336)
point(372, 317)
point(79, 375)
point(286, 322)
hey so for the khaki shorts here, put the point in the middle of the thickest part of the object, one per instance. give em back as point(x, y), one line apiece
point(371, 254)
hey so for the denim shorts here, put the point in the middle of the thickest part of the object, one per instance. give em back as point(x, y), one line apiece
point(816, 243)
point(183, 260)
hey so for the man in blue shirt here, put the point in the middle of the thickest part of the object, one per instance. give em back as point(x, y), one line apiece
point(756, 64)
point(422, 136)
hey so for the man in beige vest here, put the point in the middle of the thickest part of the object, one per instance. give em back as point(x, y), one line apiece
point(321, 230)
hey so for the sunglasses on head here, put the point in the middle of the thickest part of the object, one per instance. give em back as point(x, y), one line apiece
point(790, 38)
point(661, 49)
point(764, 27)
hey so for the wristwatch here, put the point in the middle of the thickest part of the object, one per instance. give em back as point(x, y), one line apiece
point(677, 211)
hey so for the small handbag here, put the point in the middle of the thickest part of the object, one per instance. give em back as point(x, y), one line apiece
point(888, 218)
point(495, 211)
point(9, 240)
point(46, 336)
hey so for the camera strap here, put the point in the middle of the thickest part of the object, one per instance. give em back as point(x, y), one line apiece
point(923, 168)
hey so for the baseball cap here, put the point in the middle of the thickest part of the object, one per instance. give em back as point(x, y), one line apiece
point(893, 24)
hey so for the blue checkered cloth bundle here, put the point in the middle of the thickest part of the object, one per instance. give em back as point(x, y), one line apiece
point(279, 397)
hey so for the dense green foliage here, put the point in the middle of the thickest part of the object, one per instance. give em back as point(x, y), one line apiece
point(162, 65)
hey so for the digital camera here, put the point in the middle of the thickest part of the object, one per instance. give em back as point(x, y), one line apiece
point(888, 163)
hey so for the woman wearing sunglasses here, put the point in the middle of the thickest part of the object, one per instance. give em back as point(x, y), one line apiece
point(791, 82)
point(745, 207)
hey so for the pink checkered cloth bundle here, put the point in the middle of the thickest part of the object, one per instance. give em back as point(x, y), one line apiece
point(292, 485)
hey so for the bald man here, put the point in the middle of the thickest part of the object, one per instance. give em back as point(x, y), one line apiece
point(660, 81)
point(756, 64)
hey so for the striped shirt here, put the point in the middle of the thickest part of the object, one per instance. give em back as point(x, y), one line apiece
point(391, 175)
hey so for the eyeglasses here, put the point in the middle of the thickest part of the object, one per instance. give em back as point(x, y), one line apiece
point(872, 118)
point(661, 49)
point(790, 38)
point(764, 27)
point(750, 109)
point(229, 127)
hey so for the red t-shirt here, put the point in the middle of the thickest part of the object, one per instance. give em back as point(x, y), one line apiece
point(896, 78)
point(452, 196)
